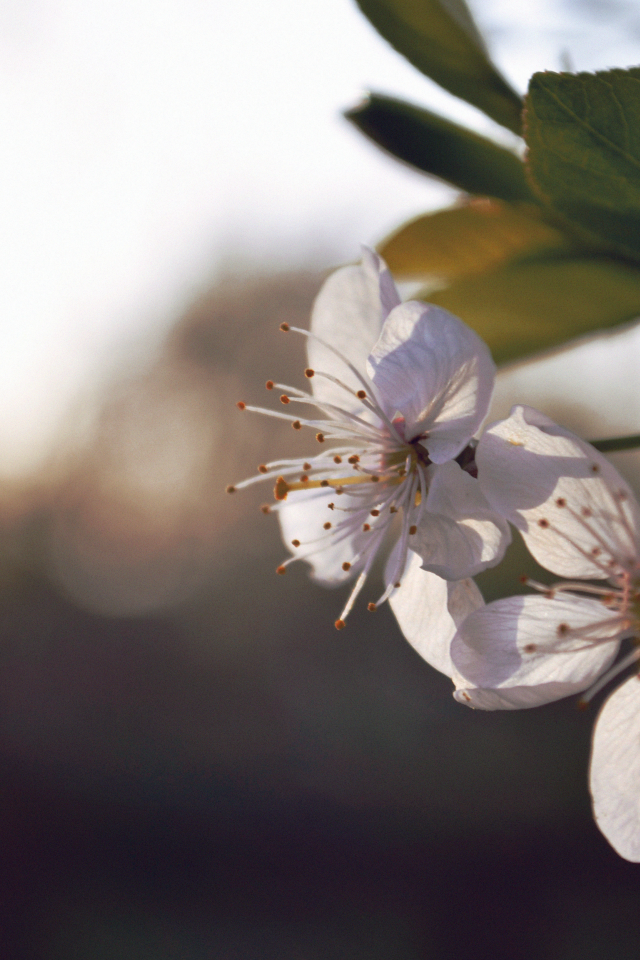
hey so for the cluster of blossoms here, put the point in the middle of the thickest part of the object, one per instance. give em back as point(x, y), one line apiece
point(401, 390)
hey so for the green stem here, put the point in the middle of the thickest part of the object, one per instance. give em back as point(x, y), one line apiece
point(617, 443)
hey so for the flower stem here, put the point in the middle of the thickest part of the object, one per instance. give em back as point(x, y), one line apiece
point(617, 443)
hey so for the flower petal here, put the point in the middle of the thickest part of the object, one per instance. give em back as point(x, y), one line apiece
point(430, 609)
point(438, 374)
point(615, 770)
point(525, 651)
point(574, 510)
point(348, 313)
point(459, 534)
point(302, 518)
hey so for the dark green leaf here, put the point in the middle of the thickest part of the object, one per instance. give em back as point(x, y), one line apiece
point(529, 306)
point(440, 38)
point(467, 240)
point(583, 134)
point(441, 148)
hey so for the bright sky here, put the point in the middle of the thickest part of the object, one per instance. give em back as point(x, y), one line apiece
point(145, 140)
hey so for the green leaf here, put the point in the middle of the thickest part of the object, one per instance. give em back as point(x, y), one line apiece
point(583, 134)
point(441, 148)
point(532, 305)
point(468, 240)
point(440, 38)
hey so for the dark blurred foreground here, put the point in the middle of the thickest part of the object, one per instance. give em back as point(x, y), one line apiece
point(197, 766)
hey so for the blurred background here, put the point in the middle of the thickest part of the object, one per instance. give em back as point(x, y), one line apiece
point(195, 764)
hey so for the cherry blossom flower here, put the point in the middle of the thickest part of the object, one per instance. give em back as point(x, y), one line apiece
point(581, 521)
point(400, 389)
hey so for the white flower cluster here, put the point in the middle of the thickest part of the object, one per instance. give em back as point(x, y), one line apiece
point(400, 391)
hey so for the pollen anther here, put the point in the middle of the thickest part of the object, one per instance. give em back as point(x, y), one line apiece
point(281, 489)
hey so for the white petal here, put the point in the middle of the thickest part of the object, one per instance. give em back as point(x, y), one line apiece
point(434, 371)
point(525, 651)
point(458, 535)
point(348, 313)
point(526, 464)
point(302, 517)
point(429, 611)
point(615, 770)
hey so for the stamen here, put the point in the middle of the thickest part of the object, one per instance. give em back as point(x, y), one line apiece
point(230, 488)
point(285, 327)
point(269, 384)
point(296, 425)
point(241, 405)
point(340, 624)
point(309, 373)
point(281, 489)
point(281, 569)
point(285, 399)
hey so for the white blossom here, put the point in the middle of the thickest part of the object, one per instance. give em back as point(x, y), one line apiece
point(400, 389)
point(580, 520)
